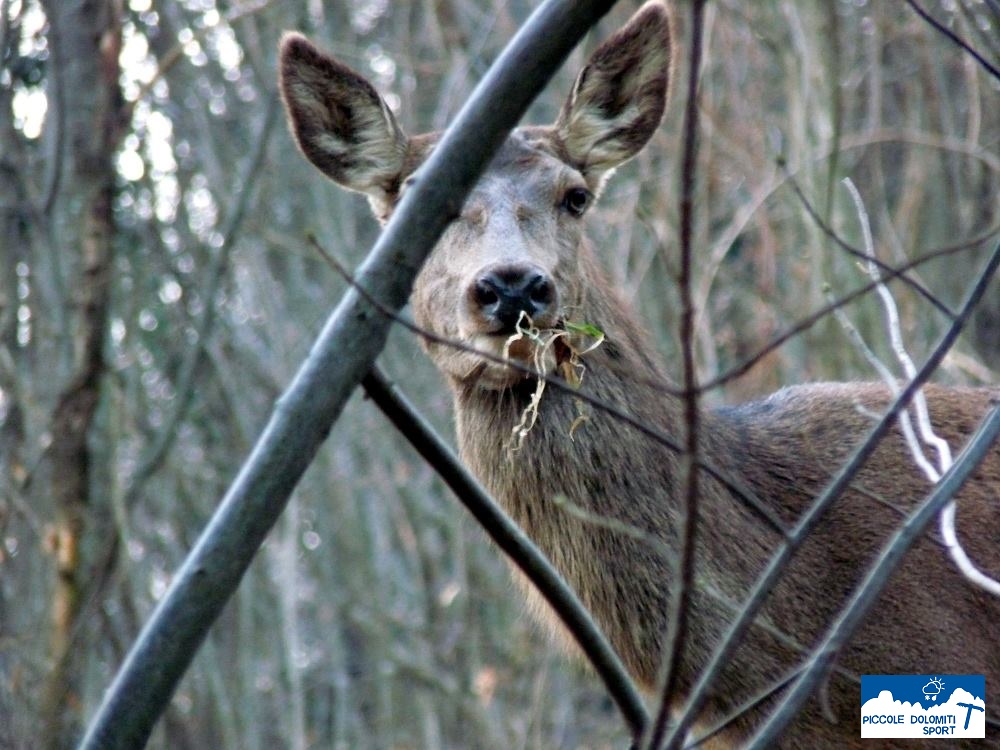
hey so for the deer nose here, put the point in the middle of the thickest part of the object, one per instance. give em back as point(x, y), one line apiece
point(502, 294)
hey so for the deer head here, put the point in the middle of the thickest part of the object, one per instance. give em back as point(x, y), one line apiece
point(516, 247)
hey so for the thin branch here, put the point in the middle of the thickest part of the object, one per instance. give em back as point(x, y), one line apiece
point(185, 387)
point(960, 557)
point(513, 541)
point(895, 332)
point(342, 355)
point(175, 53)
point(862, 255)
point(878, 577)
point(899, 349)
point(57, 116)
point(945, 143)
point(746, 707)
point(767, 581)
point(811, 320)
point(991, 69)
point(738, 490)
point(101, 572)
point(681, 590)
point(845, 143)
point(933, 473)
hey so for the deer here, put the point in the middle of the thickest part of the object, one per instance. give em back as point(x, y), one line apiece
point(517, 260)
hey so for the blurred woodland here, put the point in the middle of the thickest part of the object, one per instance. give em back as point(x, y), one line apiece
point(157, 292)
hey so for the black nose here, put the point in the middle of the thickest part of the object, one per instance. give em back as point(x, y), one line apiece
point(502, 294)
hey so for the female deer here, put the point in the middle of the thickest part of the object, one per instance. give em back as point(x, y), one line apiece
point(518, 250)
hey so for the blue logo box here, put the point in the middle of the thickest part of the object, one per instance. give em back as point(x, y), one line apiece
point(927, 706)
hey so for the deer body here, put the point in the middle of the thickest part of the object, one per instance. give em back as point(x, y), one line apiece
point(783, 450)
point(604, 505)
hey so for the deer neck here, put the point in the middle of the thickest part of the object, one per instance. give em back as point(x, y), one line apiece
point(603, 503)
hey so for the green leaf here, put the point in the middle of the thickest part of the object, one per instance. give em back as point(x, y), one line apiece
point(585, 328)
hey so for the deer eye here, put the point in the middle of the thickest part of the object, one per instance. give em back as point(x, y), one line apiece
point(575, 201)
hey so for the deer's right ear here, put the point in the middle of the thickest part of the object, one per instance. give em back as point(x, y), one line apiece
point(341, 123)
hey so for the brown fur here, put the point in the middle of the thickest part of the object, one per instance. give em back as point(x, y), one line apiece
point(782, 449)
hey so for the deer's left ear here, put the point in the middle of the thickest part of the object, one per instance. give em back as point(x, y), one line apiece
point(619, 97)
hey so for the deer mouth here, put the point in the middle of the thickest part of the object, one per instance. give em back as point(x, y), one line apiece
point(507, 359)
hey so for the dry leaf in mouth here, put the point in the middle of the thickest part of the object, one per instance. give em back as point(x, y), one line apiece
point(568, 345)
point(521, 348)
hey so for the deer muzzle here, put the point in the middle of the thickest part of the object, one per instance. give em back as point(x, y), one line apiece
point(500, 295)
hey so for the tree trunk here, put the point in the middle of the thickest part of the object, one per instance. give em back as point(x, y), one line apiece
point(87, 35)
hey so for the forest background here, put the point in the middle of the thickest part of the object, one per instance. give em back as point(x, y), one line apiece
point(158, 291)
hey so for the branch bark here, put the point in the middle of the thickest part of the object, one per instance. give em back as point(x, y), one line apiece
point(344, 352)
